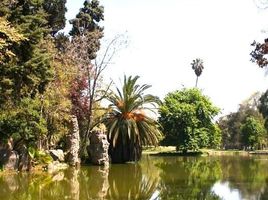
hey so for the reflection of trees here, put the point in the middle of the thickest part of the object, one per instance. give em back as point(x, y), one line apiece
point(26, 186)
point(174, 178)
point(128, 182)
point(188, 178)
point(38, 186)
point(247, 174)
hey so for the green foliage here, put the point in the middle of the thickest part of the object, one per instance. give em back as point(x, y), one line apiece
point(56, 101)
point(30, 71)
point(86, 31)
point(39, 156)
point(263, 107)
point(231, 124)
point(24, 122)
point(87, 19)
point(56, 14)
point(31, 152)
point(127, 123)
point(8, 37)
point(253, 133)
point(186, 117)
point(42, 157)
point(34, 80)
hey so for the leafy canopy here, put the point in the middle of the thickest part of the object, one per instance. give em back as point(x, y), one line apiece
point(187, 120)
point(253, 133)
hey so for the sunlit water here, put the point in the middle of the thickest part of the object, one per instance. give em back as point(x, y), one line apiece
point(153, 178)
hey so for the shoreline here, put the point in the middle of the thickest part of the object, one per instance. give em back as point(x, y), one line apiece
point(171, 151)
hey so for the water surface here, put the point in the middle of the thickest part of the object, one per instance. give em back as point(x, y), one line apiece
point(153, 178)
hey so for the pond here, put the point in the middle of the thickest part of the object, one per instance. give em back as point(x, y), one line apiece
point(153, 178)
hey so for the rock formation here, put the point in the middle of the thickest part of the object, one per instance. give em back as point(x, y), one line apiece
point(9, 159)
point(57, 154)
point(98, 148)
point(73, 143)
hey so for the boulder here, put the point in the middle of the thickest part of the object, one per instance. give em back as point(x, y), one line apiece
point(8, 145)
point(56, 166)
point(9, 159)
point(24, 159)
point(57, 154)
point(98, 148)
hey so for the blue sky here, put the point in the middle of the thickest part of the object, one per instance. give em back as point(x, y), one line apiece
point(165, 36)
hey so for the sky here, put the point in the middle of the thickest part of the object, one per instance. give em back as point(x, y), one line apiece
point(165, 36)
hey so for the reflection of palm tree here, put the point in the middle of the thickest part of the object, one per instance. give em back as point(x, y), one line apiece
point(197, 66)
point(128, 126)
point(127, 182)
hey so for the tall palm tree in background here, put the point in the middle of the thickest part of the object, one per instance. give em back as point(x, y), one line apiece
point(197, 66)
point(127, 123)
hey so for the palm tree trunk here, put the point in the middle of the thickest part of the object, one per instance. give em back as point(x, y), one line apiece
point(196, 81)
point(122, 153)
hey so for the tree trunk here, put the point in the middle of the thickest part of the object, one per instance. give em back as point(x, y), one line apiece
point(196, 81)
point(122, 153)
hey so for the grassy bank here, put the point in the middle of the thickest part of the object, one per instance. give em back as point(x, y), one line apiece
point(171, 150)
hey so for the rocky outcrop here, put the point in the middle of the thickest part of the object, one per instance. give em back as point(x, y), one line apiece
point(73, 143)
point(9, 159)
point(98, 148)
point(57, 154)
point(14, 159)
point(25, 163)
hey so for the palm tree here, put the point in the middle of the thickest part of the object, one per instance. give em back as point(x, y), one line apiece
point(127, 123)
point(197, 66)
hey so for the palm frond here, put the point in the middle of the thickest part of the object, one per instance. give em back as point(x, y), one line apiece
point(127, 124)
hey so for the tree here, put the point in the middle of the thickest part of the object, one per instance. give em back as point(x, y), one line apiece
point(84, 94)
point(231, 124)
point(253, 133)
point(263, 107)
point(87, 19)
point(258, 55)
point(128, 125)
point(197, 66)
point(26, 74)
point(56, 14)
point(86, 27)
point(186, 117)
point(8, 37)
point(30, 72)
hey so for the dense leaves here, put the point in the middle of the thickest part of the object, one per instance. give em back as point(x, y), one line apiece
point(129, 126)
point(235, 127)
point(56, 14)
point(186, 117)
point(88, 18)
point(253, 133)
point(34, 76)
point(8, 37)
point(30, 71)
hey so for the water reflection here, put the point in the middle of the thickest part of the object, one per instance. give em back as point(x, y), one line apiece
point(128, 182)
point(188, 178)
point(247, 175)
point(154, 178)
